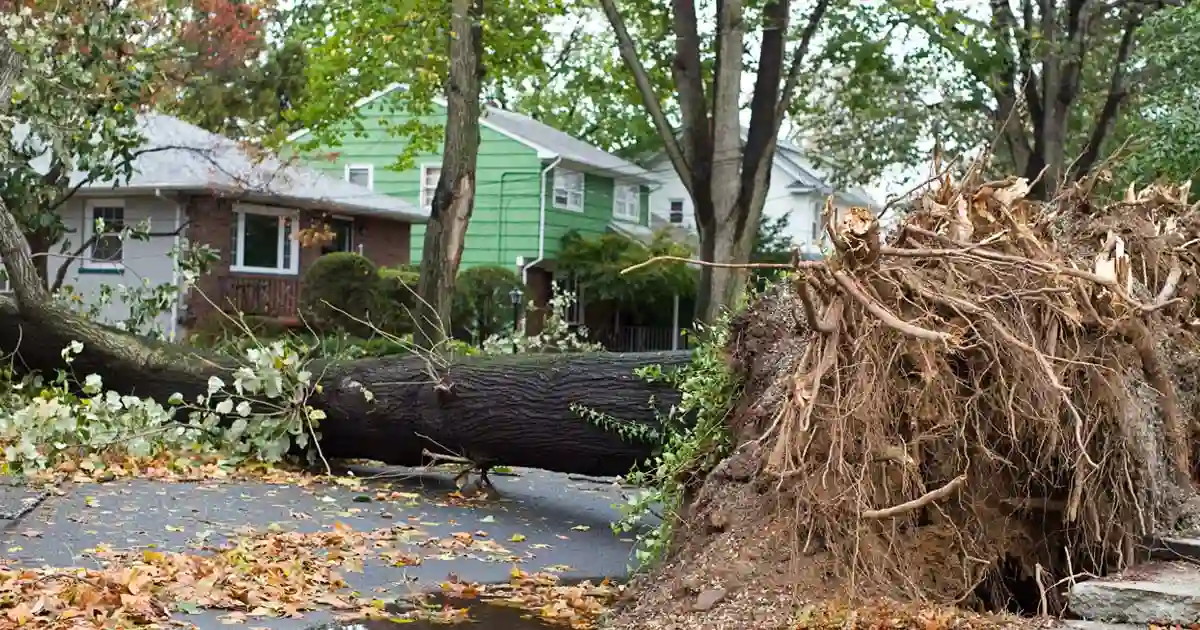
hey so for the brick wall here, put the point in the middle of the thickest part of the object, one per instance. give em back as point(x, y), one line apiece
point(384, 242)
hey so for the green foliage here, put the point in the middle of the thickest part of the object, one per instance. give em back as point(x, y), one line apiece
point(339, 288)
point(82, 75)
point(361, 46)
point(694, 439)
point(1165, 128)
point(771, 245)
point(398, 298)
point(259, 416)
point(556, 335)
point(482, 304)
point(597, 263)
point(250, 98)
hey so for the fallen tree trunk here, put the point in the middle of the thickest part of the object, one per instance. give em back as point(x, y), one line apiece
point(511, 410)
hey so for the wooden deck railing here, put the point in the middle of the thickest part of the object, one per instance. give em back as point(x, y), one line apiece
point(260, 295)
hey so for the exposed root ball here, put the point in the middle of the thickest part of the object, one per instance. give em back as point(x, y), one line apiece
point(990, 396)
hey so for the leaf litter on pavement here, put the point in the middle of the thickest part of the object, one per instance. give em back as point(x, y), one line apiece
point(274, 574)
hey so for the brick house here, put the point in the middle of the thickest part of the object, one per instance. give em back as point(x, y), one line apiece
point(195, 185)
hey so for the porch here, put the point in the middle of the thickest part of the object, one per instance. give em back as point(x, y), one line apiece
point(259, 295)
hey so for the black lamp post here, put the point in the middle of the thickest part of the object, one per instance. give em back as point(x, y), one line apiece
point(515, 296)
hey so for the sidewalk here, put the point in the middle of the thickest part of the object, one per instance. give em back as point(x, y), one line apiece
point(386, 540)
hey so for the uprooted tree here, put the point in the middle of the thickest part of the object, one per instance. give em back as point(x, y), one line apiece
point(993, 401)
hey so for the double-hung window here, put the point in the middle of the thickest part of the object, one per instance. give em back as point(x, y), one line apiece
point(568, 190)
point(626, 202)
point(103, 222)
point(430, 174)
point(264, 240)
point(676, 211)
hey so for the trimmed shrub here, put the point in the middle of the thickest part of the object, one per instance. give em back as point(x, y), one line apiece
point(398, 297)
point(342, 281)
point(482, 306)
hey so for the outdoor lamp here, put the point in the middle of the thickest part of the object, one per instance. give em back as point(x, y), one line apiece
point(515, 296)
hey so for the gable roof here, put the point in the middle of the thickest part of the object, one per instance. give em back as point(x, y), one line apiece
point(791, 159)
point(180, 156)
point(550, 143)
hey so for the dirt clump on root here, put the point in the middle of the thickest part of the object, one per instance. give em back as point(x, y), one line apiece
point(992, 401)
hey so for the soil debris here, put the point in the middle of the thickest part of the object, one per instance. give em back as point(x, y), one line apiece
point(988, 402)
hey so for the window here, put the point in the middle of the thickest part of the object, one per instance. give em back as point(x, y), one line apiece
point(429, 180)
point(816, 231)
point(676, 211)
point(568, 190)
point(361, 174)
point(264, 240)
point(627, 202)
point(107, 250)
point(343, 236)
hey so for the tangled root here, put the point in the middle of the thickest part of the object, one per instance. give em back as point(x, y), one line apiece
point(989, 394)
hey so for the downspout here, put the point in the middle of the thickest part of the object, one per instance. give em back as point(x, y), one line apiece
point(174, 326)
point(501, 232)
point(541, 223)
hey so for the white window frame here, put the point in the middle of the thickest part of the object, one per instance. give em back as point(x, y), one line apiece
point(426, 198)
point(369, 168)
point(240, 211)
point(89, 231)
point(682, 211)
point(567, 189)
point(621, 205)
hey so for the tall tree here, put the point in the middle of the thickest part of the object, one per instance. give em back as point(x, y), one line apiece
point(727, 183)
point(1049, 79)
point(249, 88)
point(454, 198)
point(361, 46)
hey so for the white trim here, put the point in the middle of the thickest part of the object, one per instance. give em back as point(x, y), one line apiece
point(370, 168)
point(569, 207)
point(422, 203)
point(240, 211)
point(89, 230)
point(637, 201)
point(543, 152)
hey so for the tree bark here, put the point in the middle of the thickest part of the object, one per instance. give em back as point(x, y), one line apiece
point(728, 185)
point(454, 200)
point(510, 410)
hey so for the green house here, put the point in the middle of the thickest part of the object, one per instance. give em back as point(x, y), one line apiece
point(534, 184)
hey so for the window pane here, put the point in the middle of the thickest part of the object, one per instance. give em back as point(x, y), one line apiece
point(360, 176)
point(287, 242)
point(107, 247)
point(260, 241)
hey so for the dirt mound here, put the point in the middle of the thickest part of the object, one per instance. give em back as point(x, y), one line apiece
point(994, 400)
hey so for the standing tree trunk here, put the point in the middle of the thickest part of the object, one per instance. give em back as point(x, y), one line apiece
point(726, 178)
point(454, 200)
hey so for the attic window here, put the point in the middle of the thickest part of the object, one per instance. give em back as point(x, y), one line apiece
point(568, 190)
point(361, 174)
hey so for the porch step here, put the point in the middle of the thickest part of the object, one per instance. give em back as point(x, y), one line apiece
point(1161, 593)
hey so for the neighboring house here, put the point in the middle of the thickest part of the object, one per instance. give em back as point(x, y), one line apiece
point(534, 183)
point(208, 189)
point(797, 189)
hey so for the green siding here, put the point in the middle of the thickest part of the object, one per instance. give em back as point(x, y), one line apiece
point(505, 220)
point(504, 224)
point(597, 215)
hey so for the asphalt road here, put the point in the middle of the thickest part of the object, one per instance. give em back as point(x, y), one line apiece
point(561, 524)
